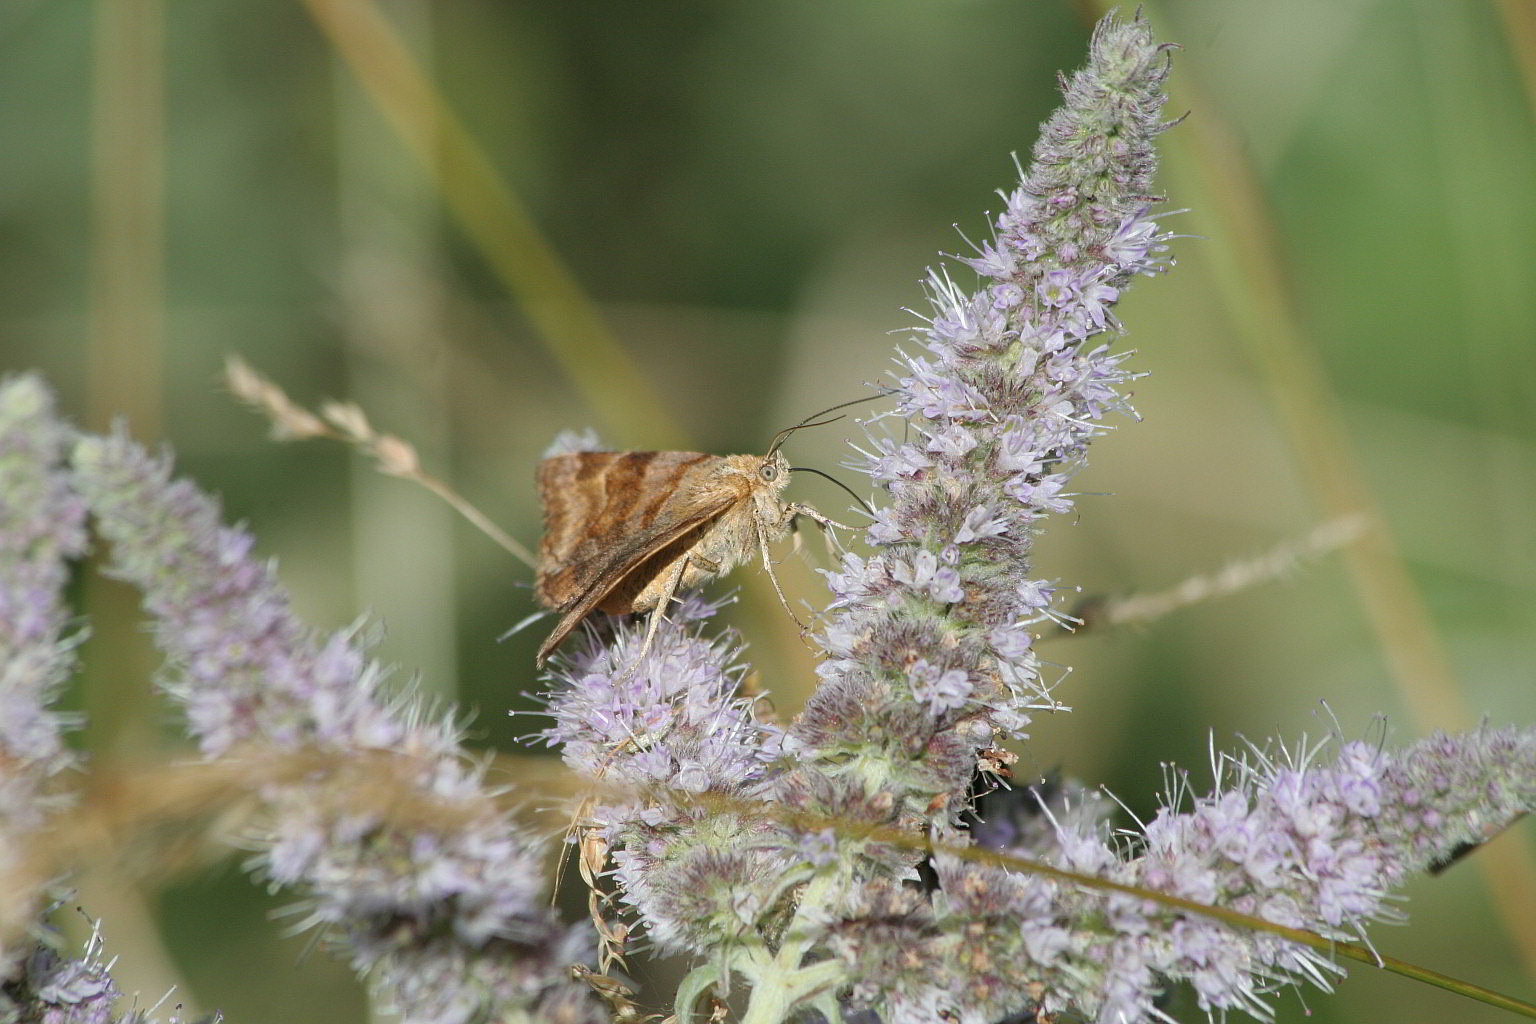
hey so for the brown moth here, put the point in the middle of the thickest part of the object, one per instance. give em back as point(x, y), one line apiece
point(625, 531)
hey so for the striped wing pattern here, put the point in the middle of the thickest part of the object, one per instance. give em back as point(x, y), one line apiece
point(607, 513)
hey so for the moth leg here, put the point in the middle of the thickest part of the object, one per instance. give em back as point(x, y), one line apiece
point(762, 544)
point(794, 510)
point(674, 578)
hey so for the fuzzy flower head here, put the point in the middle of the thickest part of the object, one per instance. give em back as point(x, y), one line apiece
point(59, 989)
point(444, 908)
point(996, 407)
point(671, 718)
point(817, 904)
point(42, 526)
point(1287, 837)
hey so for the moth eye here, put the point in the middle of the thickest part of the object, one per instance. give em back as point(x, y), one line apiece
point(768, 471)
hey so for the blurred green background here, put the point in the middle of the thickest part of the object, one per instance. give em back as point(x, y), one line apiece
point(747, 195)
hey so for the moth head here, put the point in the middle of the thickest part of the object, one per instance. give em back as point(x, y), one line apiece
point(771, 471)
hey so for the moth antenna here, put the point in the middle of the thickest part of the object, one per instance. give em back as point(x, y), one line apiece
point(807, 469)
point(783, 435)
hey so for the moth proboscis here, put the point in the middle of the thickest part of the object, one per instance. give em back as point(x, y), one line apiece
point(625, 531)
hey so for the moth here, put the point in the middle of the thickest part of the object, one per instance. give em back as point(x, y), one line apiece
point(625, 531)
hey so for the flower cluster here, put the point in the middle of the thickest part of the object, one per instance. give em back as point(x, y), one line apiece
point(1288, 840)
point(997, 409)
point(42, 525)
point(446, 911)
point(808, 897)
point(50, 986)
point(670, 719)
point(836, 868)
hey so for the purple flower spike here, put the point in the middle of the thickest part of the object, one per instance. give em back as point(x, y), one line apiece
point(449, 917)
point(673, 721)
point(670, 719)
point(41, 528)
point(935, 628)
point(1294, 842)
point(929, 660)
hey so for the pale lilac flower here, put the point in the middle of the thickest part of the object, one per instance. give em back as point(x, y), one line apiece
point(952, 442)
point(939, 689)
point(820, 848)
point(672, 719)
point(42, 527)
point(1007, 396)
point(928, 660)
point(53, 988)
point(883, 526)
point(1283, 838)
point(939, 396)
point(449, 919)
point(669, 718)
point(897, 460)
point(980, 523)
point(926, 575)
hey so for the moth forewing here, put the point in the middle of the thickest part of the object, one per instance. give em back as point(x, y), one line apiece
point(625, 531)
point(602, 509)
